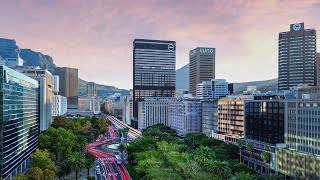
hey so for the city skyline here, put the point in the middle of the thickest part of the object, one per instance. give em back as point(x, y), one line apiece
point(94, 37)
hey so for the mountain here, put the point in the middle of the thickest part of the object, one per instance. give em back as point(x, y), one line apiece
point(182, 82)
point(33, 58)
point(182, 78)
point(263, 86)
point(103, 91)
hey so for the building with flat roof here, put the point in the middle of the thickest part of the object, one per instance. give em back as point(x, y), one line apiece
point(231, 114)
point(201, 67)
point(19, 123)
point(55, 84)
point(46, 92)
point(68, 85)
point(204, 90)
point(59, 105)
point(297, 50)
point(185, 116)
point(91, 89)
point(209, 115)
point(154, 63)
point(154, 111)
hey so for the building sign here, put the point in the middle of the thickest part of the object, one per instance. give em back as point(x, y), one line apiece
point(206, 50)
point(170, 47)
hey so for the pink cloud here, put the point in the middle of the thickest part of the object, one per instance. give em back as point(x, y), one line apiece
point(96, 36)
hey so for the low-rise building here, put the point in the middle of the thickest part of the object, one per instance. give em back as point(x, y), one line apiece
point(185, 116)
point(209, 116)
point(152, 111)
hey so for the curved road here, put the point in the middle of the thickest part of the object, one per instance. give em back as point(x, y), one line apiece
point(111, 168)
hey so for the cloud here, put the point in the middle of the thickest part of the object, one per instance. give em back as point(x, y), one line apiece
point(96, 36)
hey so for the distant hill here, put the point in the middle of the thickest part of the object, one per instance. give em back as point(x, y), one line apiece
point(263, 86)
point(103, 91)
point(182, 82)
point(182, 78)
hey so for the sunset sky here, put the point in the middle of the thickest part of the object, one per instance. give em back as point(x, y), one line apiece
point(96, 36)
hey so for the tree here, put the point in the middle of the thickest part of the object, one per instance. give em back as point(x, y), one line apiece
point(41, 159)
point(265, 157)
point(59, 141)
point(48, 174)
point(240, 145)
point(250, 149)
point(244, 176)
point(34, 173)
point(202, 154)
point(63, 169)
point(219, 168)
point(20, 176)
point(76, 161)
point(125, 133)
point(89, 162)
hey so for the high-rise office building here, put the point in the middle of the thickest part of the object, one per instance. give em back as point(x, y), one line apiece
point(68, 86)
point(318, 69)
point(299, 157)
point(297, 55)
point(91, 89)
point(46, 92)
point(202, 67)
point(19, 123)
point(154, 75)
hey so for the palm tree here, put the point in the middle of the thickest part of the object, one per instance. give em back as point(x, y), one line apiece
point(76, 162)
point(244, 176)
point(240, 145)
point(89, 161)
point(250, 149)
point(219, 168)
point(265, 157)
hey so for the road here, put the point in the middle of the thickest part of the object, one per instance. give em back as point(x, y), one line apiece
point(109, 166)
point(133, 133)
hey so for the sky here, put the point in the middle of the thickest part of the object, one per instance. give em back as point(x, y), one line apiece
point(96, 36)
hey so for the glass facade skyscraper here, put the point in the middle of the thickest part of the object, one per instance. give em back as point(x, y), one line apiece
point(154, 63)
point(19, 120)
point(297, 56)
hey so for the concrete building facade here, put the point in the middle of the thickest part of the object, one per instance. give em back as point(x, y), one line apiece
point(185, 116)
point(202, 67)
point(68, 85)
point(46, 92)
point(296, 57)
point(209, 115)
point(153, 111)
point(59, 105)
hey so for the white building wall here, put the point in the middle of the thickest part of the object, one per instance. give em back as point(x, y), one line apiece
point(204, 89)
point(55, 84)
point(152, 112)
point(185, 117)
point(59, 105)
